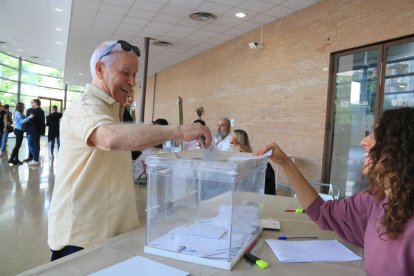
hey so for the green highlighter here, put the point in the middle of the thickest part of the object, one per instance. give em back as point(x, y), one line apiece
point(255, 260)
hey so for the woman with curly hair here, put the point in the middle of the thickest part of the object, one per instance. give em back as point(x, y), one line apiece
point(379, 219)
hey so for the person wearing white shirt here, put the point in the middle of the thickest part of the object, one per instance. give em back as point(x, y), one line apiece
point(222, 136)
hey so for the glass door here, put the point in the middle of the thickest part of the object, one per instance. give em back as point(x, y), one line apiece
point(353, 105)
point(47, 104)
point(365, 82)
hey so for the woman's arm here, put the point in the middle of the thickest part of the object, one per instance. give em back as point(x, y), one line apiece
point(304, 191)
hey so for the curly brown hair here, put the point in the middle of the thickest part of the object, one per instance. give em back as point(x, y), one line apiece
point(392, 168)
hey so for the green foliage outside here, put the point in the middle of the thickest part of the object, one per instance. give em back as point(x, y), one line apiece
point(32, 74)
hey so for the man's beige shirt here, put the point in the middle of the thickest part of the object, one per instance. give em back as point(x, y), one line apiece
point(93, 197)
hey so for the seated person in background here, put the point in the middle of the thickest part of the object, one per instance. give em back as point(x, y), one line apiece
point(222, 135)
point(241, 143)
point(379, 219)
point(199, 112)
point(193, 145)
point(138, 165)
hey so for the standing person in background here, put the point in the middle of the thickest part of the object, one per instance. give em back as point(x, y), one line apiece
point(381, 218)
point(35, 129)
point(3, 122)
point(241, 143)
point(222, 135)
point(53, 122)
point(93, 197)
point(7, 129)
point(198, 114)
point(20, 122)
point(30, 155)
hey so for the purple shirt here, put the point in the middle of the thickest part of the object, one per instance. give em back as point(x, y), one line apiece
point(356, 219)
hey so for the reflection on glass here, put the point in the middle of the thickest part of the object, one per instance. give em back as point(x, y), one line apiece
point(356, 82)
point(399, 76)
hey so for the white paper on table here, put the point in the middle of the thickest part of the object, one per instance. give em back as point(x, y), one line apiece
point(311, 251)
point(140, 266)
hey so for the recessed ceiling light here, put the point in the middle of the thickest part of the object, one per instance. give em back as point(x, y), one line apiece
point(240, 14)
point(59, 10)
point(202, 16)
point(80, 74)
point(58, 42)
point(58, 29)
point(19, 50)
point(162, 43)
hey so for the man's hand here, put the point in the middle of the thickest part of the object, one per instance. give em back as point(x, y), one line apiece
point(194, 131)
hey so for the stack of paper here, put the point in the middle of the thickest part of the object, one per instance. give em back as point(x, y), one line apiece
point(311, 251)
point(209, 238)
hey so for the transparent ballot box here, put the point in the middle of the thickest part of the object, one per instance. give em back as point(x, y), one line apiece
point(201, 211)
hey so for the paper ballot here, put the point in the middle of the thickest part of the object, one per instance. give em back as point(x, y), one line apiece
point(140, 266)
point(311, 251)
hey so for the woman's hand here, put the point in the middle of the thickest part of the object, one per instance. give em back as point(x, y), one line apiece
point(278, 156)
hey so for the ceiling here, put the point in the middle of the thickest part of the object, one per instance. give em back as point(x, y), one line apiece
point(62, 34)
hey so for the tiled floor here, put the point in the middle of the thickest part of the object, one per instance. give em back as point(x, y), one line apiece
point(25, 194)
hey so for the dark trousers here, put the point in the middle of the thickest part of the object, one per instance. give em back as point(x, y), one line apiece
point(19, 138)
point(65, 251)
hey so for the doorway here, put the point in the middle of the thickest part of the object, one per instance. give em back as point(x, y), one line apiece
point(47, 104)
point(364, 82)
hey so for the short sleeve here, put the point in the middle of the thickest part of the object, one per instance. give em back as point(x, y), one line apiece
point(82, 119)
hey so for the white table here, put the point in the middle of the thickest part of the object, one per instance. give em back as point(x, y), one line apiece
point(132, 243)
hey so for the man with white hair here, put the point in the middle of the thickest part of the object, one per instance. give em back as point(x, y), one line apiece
point(222, 136)
point(94, 198)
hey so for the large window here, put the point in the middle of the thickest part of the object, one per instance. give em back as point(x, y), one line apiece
point(36, 81)
point(8, 79)
point(365, 82)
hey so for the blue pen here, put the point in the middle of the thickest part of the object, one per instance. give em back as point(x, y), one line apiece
point(288, 238)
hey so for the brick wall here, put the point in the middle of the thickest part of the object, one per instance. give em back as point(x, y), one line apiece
point(279, 93)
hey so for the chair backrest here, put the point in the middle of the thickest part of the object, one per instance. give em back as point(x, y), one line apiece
point(333, 190)
point(326, 190)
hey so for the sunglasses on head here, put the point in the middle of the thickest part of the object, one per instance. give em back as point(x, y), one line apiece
point(125, 46)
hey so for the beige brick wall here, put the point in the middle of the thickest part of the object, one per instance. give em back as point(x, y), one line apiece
point(279, 93)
